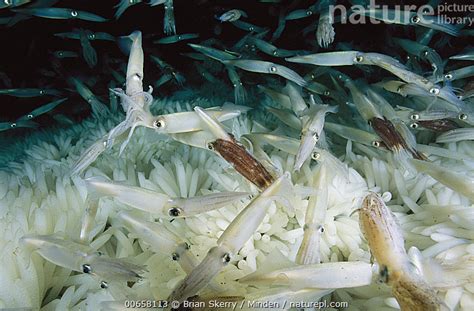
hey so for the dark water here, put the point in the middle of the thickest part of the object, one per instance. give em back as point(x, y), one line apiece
point(26, 53)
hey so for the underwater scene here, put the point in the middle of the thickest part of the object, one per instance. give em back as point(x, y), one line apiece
point(236, 155)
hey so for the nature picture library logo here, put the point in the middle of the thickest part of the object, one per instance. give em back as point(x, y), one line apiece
point(445, 13)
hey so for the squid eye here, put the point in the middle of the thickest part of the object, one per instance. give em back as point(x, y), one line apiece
point(463, 116)
point(376, 144)
point(226, 258)
point(73, 13)
point(316, 136)
point(159, 123)
point(321, 229)
point(104, 284)
point(414, 125)
point(174, 212)
point(86, 268)
point(315, 156)
point(434, 90)
point(415, 116)
point(384, 274)
point(415, 19)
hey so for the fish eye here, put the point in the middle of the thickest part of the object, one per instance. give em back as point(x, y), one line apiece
point(179, 37)
point(309, 12)
point(359, 58)
point(414, 125)
point(408, 57)
point(434, 90)
point(7, 2)
point(251, 28)
point(327, 93)
point(415, 116)
point(460, 97)
point(13, 125)
point(41, 92)
point(273, 69)
point(159, 123)
point(448, 76)
point(425, 53)
point(73, 13)
point(86, 268)
point(275, 52)
point(415, 19)
point(174, 212)
point(210, 146)
point(103, 284)
point(316, 136)
point(376, 144)
point(30, 116)
point(175, 256)
point(463, 116)
point(369, 123)
point(91, 36)
point(315, 156)
point(226, 258)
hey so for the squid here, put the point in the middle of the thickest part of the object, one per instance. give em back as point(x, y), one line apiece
point(160, 204)
point(61, 13)
point(231, 241)
point(387, 245)
point(82, 258)
point(233, 152)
